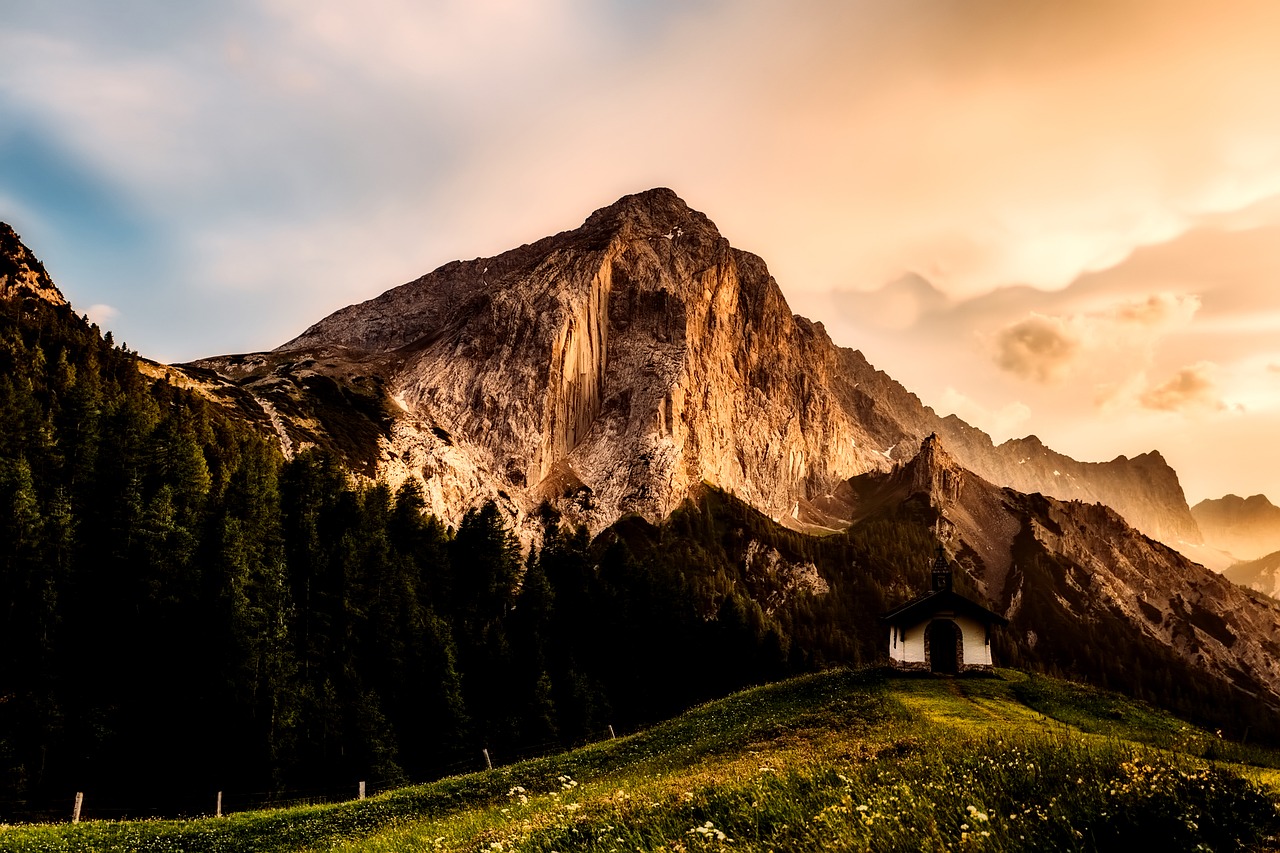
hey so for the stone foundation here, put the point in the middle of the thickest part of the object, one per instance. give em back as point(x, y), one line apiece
point(909, 666)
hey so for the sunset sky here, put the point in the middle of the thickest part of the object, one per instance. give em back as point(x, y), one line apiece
point(1059, 218)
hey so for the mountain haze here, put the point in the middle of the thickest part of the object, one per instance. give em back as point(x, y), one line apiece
point(1262, 574)
point(1249, 528)
point(613, 368)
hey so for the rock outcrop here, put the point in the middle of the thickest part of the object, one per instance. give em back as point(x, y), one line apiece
point(22, 276)
point(612, 368)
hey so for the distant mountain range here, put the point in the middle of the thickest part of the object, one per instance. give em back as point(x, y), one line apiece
point(1262, 574)
point(1249, 528)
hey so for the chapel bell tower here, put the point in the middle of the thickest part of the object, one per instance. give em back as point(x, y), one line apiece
point(941, 572)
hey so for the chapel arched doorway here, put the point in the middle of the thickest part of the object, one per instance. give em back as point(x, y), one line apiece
point(942, 639)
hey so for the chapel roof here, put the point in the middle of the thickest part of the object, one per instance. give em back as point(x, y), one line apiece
point(919, 609)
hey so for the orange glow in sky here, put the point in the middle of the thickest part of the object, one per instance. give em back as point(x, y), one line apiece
point(1050, 218)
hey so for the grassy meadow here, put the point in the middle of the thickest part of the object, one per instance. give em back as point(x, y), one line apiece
point(836, 761)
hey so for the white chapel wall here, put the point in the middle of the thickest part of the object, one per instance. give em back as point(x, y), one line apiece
point(974, 634)
point(909, 647)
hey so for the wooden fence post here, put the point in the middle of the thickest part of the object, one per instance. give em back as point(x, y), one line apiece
point(487, 762)
point(361, 795)
point(217, 810)
point(612, 736)
point(75, 812)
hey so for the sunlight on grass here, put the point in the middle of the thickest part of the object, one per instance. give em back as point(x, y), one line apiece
point(836, 761)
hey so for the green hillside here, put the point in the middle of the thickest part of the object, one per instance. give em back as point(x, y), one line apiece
point(841, 760)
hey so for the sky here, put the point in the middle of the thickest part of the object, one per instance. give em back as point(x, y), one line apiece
point(1049, 218)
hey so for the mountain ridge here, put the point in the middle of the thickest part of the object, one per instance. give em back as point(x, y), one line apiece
point(1054, 566)
point(612, 367)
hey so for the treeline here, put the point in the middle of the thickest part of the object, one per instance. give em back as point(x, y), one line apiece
point(183, 611)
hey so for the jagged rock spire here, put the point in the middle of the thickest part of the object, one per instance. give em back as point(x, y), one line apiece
point(935, 473)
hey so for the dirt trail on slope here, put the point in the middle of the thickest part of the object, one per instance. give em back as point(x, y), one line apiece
point(944, 700)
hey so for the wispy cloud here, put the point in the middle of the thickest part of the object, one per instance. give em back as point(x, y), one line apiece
point(1049, 348)
point(102, 314)
point(1191, 388)
point(1005, 422)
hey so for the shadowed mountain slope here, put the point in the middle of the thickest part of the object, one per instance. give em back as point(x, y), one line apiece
point(1082, 589)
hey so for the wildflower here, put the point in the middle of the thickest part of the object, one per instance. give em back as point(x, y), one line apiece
point(708, 830)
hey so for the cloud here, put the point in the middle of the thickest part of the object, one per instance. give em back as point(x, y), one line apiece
point(102, 313)
point(1159, 311)
point(1003, 423)
point(1039, 348)
point(1190, 389)
point(1046, 348)
point(976, 142)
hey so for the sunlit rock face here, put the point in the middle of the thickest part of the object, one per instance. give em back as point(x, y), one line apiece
point(21, 274)
point(613, 368)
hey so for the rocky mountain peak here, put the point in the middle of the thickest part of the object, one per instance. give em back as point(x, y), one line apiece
point(613, 368)
point(21, 273)
point(655, 211)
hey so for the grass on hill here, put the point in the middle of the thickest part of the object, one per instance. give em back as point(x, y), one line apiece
point(835, 761)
